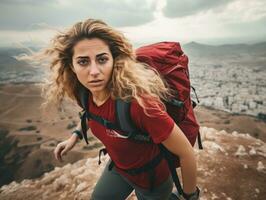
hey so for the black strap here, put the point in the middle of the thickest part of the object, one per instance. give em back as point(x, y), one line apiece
point(123, 116)
point(147, 167)
point(104, 122)
point(175, 177)
point(84, 126)
point(194, 90)
point(151, 174)
point(193, 196)
point(79, 133)
point(172, 167)
point(111, 165)
point(84, 96)
point(194, 104)
point(125, 123)
point(122, 125)
point(199, 141)
point(176, 103)
point(102, 151)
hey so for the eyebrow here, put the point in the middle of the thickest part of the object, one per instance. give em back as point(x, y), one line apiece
point(98, 55)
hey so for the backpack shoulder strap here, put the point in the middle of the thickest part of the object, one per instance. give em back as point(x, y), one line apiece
point(84, 96)
point(123, 117)
point(126, 124)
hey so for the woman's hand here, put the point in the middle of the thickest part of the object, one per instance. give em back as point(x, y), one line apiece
point(63, 147)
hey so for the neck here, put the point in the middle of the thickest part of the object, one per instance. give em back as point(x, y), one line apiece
point(100, 97)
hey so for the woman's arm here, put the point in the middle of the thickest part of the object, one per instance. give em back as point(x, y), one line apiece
point(179, 145)
point(63, 147)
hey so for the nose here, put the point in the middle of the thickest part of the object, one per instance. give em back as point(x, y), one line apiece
point(94, 69)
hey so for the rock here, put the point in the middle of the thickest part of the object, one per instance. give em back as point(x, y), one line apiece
point(260, 166)
point(262, 150)
point(206, 173)
point(76, 172)
point(212, 147)
point(46, 194)
point(63, 195)
point(252, 152)
point(252, 105)
point(241, 151)
point(247, 135)
point(47, 179)
point(222, 132)
point(207, 133)
point(81, 187)
point(214, 196)
point(61, 182)
point(235, 133)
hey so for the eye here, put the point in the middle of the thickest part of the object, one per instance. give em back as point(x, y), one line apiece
point(102, 60)
point(83, 62)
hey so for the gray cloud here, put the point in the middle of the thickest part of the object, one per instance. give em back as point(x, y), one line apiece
point(254, 29)
point(175, 8)
point(28, 2)
point(40, 26)
point(27, 14)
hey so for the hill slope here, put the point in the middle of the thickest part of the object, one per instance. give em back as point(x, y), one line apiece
point(230, 167)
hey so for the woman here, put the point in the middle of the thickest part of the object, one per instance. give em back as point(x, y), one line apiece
point(95, 56)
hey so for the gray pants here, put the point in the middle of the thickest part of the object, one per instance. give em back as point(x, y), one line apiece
point(112, 185)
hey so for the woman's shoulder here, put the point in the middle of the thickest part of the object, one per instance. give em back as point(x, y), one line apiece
point(153, 119)
point(147, 107)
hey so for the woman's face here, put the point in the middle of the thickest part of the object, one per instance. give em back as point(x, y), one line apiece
point(93, 64)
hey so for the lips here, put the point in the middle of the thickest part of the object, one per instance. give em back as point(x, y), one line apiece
point(96, 83)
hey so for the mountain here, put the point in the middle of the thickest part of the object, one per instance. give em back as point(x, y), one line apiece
point(14, 70)
point(200, 50)
point(8, 62)
point(231, 166)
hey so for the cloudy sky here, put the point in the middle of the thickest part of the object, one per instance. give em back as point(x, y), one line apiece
point(27, 22)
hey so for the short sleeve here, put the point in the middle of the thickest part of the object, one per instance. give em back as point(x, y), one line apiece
point(156, 121)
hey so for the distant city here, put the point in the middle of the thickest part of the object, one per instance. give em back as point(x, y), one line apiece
point(226, 77)
point(230, 77)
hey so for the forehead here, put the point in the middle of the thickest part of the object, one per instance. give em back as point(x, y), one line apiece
point(91, 47)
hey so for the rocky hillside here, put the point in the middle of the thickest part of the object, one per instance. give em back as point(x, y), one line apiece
point(231, 167)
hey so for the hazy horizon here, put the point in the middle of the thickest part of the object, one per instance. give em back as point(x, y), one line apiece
point(28, 44)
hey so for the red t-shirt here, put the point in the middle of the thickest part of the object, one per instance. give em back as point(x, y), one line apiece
point(126, 153)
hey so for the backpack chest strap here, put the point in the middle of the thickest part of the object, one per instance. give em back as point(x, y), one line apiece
point(123, 122)
point(104, 122)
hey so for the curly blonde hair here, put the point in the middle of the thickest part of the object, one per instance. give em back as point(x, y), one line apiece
point(130, 79)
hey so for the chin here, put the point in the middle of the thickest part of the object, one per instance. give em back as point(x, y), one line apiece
point(96, 89)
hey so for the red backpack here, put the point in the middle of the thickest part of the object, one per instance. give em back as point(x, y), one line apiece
point(170, 61)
